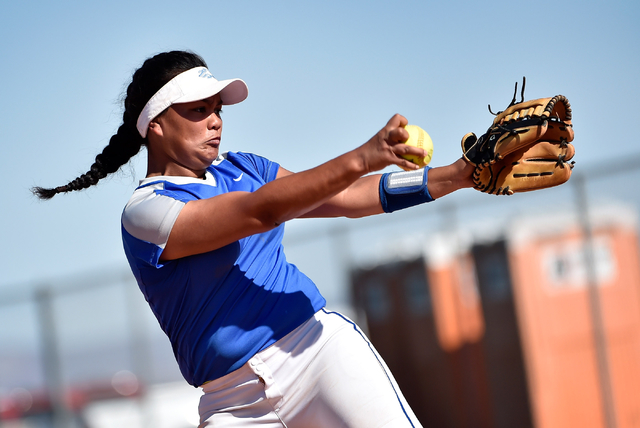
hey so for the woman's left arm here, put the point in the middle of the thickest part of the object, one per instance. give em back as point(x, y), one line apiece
point(362, 198)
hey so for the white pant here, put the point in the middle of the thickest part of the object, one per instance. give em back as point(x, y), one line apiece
point(323, 374)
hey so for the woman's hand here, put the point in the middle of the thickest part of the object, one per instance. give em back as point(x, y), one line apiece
point(387, 147)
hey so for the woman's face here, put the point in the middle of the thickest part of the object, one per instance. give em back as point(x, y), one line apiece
point(185, 139)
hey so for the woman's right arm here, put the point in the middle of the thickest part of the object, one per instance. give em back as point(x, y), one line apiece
point(207, 224)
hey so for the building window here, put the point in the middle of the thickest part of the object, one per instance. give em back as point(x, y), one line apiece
point(565, 266)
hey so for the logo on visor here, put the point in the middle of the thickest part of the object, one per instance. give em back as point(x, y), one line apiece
point(205, 73)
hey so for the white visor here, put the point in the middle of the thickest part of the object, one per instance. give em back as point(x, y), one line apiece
point(191, 85)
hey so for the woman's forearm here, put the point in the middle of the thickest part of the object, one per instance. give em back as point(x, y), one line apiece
point(446, 179)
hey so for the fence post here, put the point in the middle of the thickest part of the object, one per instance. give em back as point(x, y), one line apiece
point(342, 256)
point(61, 415)
point(141, 354)
point(595, 306)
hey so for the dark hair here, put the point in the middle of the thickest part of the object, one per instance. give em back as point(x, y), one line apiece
point(154, 73)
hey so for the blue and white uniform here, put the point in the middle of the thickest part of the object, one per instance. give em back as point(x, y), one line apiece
point(248, 326)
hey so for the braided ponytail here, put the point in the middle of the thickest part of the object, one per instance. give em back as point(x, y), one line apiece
point(127, 142)
point(122, 147)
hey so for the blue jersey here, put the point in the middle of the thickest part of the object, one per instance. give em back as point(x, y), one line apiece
point(217, 308)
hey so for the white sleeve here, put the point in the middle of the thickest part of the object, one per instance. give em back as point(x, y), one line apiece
point(149, 216)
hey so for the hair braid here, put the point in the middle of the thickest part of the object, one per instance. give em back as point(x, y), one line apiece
point(121, 148)
point(154, 73)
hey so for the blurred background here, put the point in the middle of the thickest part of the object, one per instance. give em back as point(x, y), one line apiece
point(520, 311)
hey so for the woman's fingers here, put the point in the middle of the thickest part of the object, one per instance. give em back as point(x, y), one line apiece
point(398, 121)
point(389, 148)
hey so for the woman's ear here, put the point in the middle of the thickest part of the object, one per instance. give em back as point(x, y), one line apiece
point(154, 128)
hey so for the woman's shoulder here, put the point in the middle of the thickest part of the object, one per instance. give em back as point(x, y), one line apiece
point(149, 215)
point(155, 204)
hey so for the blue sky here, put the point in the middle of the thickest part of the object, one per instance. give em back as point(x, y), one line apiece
point(323, 77)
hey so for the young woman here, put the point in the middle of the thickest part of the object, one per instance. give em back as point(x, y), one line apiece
point(203, 234)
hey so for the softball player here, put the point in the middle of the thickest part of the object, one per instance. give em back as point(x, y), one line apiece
point(203, 236)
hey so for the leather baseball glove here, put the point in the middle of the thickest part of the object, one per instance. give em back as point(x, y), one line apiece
point(527, 147)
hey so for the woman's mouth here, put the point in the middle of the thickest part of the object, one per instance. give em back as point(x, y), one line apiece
point(215, 142)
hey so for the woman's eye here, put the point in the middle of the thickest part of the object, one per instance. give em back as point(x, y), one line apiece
point(200, 109)
point(218, 111)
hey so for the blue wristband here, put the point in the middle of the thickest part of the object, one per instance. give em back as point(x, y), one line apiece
point(399, 190)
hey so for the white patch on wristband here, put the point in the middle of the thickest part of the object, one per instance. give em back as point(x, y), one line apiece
point(398, 180)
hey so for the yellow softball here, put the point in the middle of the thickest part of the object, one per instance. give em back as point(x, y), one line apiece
point(418, 137)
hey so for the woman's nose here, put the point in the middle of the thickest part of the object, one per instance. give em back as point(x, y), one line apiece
point(215, 121)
